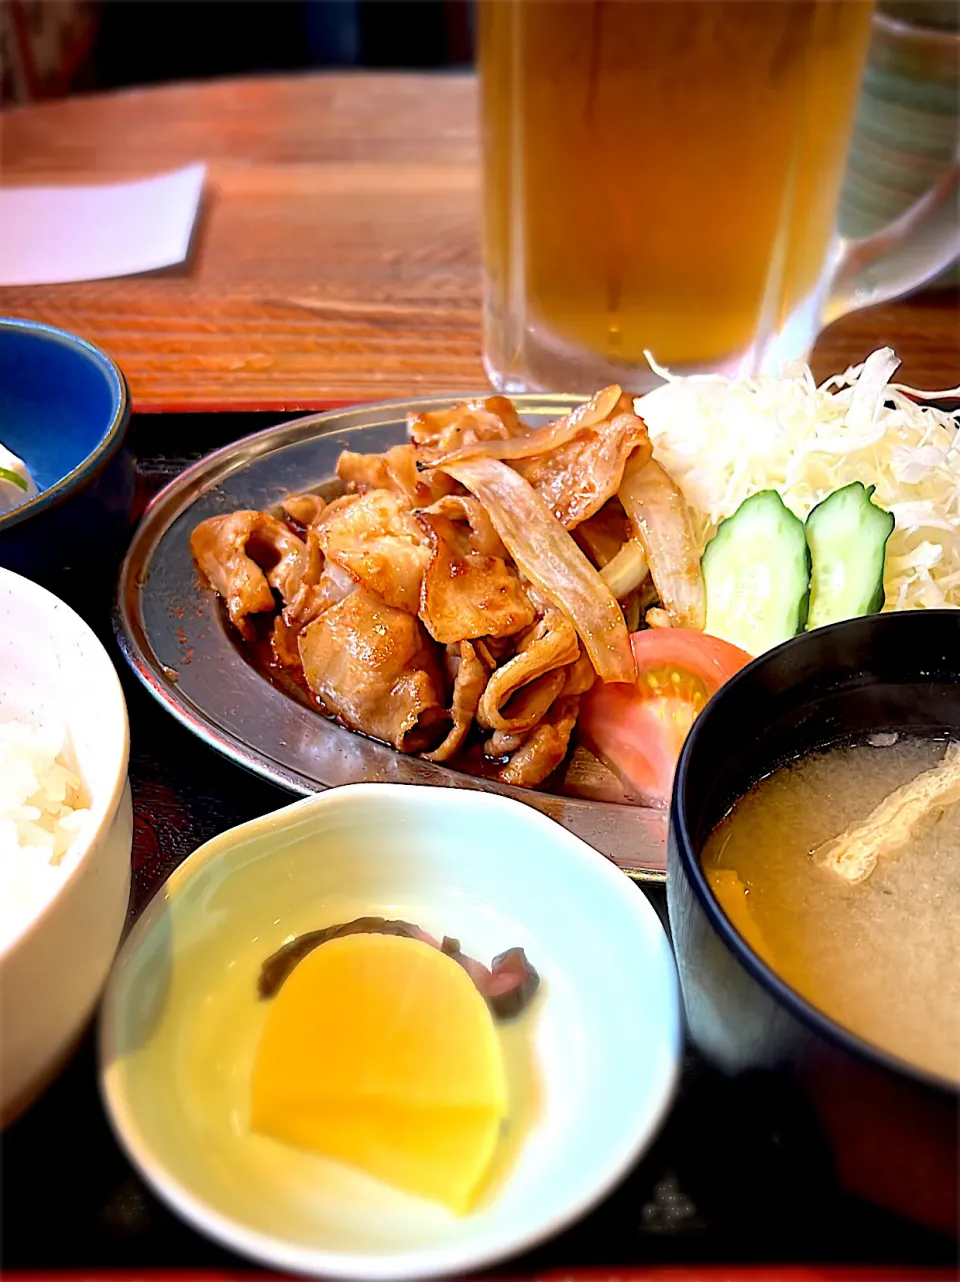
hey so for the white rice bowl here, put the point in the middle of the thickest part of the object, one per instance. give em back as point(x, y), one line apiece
point(43, 812)
point(66, 831)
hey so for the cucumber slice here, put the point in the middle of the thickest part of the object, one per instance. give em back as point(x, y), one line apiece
point(756, 570)
point(7, 474)
point(847, 536)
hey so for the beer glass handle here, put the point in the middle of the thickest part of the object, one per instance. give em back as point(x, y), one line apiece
point(923, 241)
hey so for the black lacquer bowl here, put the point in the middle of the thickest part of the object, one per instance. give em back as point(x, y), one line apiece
point(893, 1130)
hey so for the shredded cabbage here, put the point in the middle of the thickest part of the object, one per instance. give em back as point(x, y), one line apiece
point(724, 439)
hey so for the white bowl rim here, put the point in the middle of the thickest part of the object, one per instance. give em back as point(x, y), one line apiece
point(103, 811)
point(448, 1258)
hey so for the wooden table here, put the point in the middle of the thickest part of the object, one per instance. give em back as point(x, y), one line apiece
point(337, 254)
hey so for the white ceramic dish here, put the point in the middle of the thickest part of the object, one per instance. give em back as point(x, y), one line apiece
point(592, 1064)
point(54, 670)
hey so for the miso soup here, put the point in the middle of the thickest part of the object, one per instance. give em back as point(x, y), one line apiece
point(879, 955)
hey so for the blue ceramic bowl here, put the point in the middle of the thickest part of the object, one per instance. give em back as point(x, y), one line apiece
point(64, 409)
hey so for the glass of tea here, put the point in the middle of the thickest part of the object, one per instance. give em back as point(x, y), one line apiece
point(661, 177)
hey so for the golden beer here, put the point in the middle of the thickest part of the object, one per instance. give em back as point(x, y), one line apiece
point(660, 175)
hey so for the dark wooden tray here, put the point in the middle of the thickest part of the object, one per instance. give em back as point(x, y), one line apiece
point(731, 1181)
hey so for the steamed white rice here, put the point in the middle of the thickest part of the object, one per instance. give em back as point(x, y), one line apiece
point(43, 810)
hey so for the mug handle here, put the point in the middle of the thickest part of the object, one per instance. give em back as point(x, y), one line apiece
point(917, 246)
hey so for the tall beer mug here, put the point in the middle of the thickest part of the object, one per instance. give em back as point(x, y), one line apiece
point(663, 176)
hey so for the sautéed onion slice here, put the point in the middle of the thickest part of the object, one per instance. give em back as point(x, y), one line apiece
point(544, 439)
point(661, 519)
point(548, 556)
point(626, 571)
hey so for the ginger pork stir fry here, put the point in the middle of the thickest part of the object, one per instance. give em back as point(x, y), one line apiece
point(470, 586)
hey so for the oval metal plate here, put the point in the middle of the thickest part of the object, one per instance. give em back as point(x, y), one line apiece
point(171, 630)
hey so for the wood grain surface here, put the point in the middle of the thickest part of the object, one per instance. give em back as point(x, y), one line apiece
point(337, 253)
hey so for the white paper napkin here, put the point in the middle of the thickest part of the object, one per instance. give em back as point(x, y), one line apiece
point(51, 235)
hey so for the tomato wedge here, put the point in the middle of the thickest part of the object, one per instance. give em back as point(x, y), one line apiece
point(639, 729)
